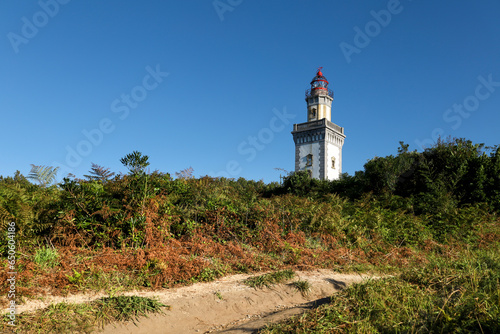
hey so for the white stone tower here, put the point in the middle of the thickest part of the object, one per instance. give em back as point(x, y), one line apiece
point(318, 142)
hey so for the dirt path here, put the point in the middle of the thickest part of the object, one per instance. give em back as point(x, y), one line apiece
point(223, 306)
point(200, 309)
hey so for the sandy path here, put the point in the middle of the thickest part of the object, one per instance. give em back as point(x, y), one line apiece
point(199, 308)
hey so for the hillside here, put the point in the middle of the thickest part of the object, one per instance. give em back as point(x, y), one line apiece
point(429, 219)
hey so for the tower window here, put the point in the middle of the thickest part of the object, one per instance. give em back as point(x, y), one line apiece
point(333, 162)
point(309, 160)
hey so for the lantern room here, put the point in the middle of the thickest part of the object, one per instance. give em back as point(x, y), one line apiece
point(319, 81)
point(319, 85)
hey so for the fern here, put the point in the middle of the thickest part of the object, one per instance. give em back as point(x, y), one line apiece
point(44, 175)
point(99, 173)
point(185, 173)
point(5, 218)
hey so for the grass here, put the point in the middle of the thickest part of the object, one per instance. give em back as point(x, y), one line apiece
point(270, 279)
point(84, 318)
point(218, 295)
point(302, 286)
point(46, 257)
point(210, 274)
point(126, 308)
point(449, 294)
point(111, 282)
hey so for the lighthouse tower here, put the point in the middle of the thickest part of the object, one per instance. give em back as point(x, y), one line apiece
point(318, 142)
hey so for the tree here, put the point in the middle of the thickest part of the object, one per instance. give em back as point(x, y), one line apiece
point(299, 183)
point(135, 162)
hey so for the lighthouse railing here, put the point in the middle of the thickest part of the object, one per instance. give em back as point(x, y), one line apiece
point(318, 91)
point(318, 123)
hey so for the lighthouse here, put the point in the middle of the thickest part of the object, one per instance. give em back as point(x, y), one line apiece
point(318, 142)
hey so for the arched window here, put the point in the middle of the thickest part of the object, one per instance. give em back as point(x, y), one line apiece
point(309, 160)
point(333, 162)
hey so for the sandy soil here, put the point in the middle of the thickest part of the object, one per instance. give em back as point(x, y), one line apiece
point(223, 306)
point(198, 308)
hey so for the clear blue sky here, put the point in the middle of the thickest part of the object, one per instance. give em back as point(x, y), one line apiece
point(188, 83)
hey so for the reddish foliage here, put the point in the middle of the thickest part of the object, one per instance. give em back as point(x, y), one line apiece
point(215, 248)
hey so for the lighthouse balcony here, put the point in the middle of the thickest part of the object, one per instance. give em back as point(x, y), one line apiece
point(318, 124)
point(318, 91)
